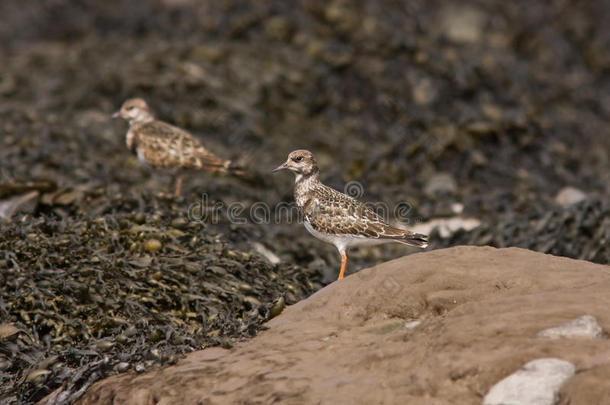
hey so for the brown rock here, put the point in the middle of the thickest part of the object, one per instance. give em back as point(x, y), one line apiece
point(356, 341)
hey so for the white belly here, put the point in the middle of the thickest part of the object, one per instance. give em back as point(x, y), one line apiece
point(342, 242)
point(129, 139)
point(141, 157)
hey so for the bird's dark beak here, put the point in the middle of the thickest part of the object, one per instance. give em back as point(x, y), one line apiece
point(116, 114)
point(283, 166)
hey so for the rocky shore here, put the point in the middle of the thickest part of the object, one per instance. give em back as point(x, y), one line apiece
point(442, 327)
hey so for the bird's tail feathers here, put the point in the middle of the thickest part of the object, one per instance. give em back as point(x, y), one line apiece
point(233, 168)
point(412, 239)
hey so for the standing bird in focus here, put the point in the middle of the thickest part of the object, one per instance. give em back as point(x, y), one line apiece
point(161, 145)
point(337, 218)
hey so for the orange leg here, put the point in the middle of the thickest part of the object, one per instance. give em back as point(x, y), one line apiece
point(343, 265)
point(178, 186)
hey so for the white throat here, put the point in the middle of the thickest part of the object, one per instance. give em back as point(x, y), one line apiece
point(141, 119)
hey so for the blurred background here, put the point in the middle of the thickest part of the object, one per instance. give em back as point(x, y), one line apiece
point(488, 118)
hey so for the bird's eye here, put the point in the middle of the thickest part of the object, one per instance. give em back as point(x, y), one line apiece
point(130, 108)
point(298, 158)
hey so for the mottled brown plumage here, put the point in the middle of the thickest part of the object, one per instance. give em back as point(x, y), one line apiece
point(332, 212)
point(336, 218)
point(161, 145)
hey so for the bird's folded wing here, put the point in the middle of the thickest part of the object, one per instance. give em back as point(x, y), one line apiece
point(335, 213)
point(164, 145)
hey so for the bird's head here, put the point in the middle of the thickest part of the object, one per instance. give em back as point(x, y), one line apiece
point(134, 110)
point(301, 162)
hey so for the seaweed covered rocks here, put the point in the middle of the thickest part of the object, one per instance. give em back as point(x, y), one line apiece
point(85, 298)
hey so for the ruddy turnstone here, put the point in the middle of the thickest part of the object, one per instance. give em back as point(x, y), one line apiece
point(336, 218)
point(161, 145)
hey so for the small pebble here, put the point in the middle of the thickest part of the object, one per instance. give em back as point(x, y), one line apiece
point(245, 287)
point(278, 307)
point(152, 245)
point(179, 223)
point(536, 383)
point(585, 326)
point(139, 219)
point(569, 196)
point(412, 324)
point(105, 345)
point(154, 354)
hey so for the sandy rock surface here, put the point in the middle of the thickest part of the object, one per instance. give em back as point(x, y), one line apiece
point(439, 327)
